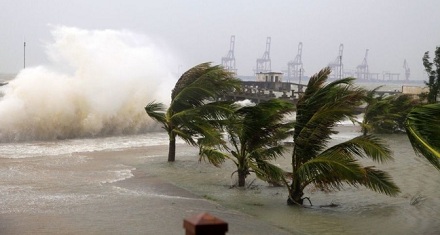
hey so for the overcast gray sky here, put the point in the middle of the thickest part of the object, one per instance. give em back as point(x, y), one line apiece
point(197, 31)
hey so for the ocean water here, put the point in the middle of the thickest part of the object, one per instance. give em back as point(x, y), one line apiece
point(359, 211)
point(67, 177)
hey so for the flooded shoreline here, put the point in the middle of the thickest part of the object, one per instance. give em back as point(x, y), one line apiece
point(125, 185)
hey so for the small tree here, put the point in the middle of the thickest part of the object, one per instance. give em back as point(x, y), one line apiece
point(433, 74)
point(320, 108)
point(194, 112)
point(386, 114)
point(375, 109)
point(255, 134)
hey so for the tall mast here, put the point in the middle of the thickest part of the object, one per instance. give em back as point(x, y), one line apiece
point(24, 53)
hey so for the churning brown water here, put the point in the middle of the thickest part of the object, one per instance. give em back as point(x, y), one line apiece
point(104, 185)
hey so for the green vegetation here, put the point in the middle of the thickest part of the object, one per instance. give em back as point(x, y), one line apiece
point(386, 114)
point(255, 134)
point(320, 108)
point(422, 124)
point(194, 112)
point(433, 74)
point(423, 130)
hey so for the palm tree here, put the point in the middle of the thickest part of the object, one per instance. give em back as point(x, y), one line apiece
point(434, 75)
point(386, 114)
point(423, 130)
point(374, 111)
point(320, 108)
point(402, 104)
point(195, 111)
point(255, 134)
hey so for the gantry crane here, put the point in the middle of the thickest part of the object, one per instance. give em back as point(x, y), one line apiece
point(264, 63)
point(295, 67)
point(336, 66)
point(228, 62)
point(407, 70)
point(362, 71)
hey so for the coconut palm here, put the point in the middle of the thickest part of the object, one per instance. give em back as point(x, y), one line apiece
point(255, 134)
point(423, 130)
point(318, 111)
point(402, 104)
point(194, 111)
point(374, 110)
point(386, 114)
point(433, 74)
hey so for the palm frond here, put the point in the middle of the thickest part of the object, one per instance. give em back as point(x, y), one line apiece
point(186, 135)
point(364, 146)
point(320, 109)
point(267, 171)
point(379, 181)
point(329, 171)
point(264, 124)
point(423, 130)
point(204, 84)
point(189, 77)
point(213, 156)
point(266, 153)
point(156, 111)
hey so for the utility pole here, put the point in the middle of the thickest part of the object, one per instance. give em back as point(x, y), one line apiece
point(340, 67)
point(24, 53)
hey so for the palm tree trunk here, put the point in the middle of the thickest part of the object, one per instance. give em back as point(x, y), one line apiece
point(172, 150)
point(295, 195)
point(364, 131)
point(241, 178)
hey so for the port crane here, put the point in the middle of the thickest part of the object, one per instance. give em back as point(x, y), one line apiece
point(336, 66)
point(295, 66)
point(407, 70)
point(362, 70)
point(390, 76)
point(228, 61)
point(264, 63)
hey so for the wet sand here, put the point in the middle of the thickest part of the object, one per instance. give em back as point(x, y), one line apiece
point(153, 205)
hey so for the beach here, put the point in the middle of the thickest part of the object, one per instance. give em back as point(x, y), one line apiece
point(145, 203)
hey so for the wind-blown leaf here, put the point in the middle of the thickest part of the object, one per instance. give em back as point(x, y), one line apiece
point(267, 171)
point(213, 156)
point(423, 130)
point(156, 111)
point(379, 181)
point(365, 146)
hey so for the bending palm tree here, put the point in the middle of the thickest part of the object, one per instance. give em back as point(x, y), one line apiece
point(386, 114)
point(193, 111)
point(255, 133)
point(320, 108)
point(423, 130)
point(374, 112)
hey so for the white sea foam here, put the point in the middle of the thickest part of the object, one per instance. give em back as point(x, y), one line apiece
point(67, 147)
point(118, 175)
point(96, 84)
